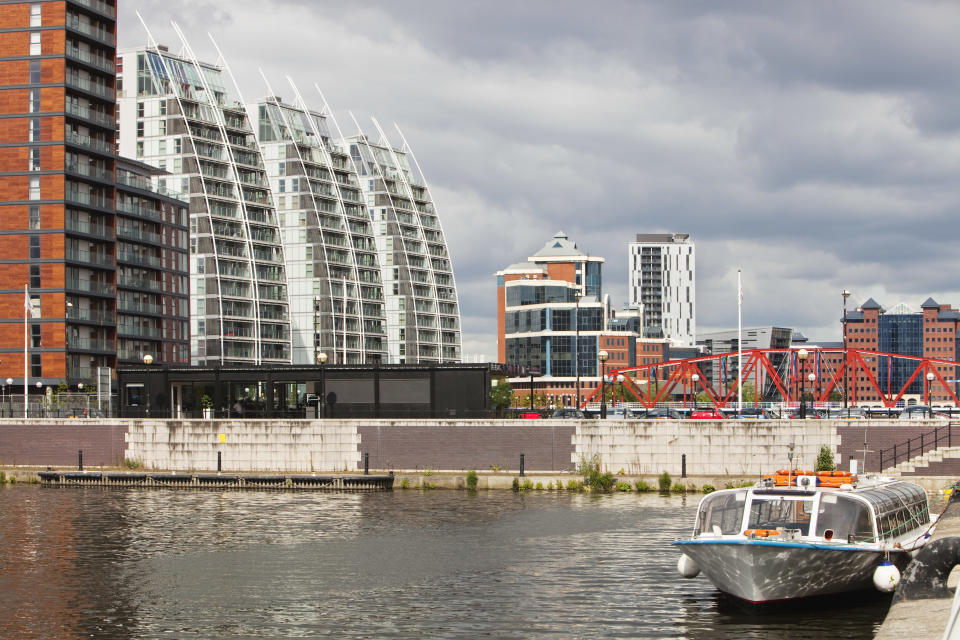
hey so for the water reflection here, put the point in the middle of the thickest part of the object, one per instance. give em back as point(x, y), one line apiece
point(139, 563)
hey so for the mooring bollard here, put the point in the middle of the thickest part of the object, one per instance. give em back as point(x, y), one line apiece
point(521, 465)
point(80, 459)
point(219, 461)
point(366, 464)
point(683, 465)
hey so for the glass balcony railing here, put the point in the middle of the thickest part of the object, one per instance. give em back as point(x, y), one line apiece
point(91, 344)
point(103, 119)
point(89, 257)
point(130, 306)
point(88, 286)
point(94, 31)
point(91, 315)
point(84, 226)
point(101, 90)
point(90, 171)
point(139, 182)
point(88, 199)
point(98, 5)
point(102, 146)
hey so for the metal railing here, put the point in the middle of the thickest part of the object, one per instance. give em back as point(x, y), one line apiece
point(916, 446)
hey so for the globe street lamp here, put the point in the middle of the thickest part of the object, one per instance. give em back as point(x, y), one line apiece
point(602, 356)
point(802, 357)
point(10, 397)
point(812, 378)
point(930, 378)
point(148, 360)
point(620, 379)
point(321, 360)
point(39, 386)
point(695, 378)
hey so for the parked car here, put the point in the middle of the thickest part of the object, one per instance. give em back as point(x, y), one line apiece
point(917, 412)
point(662, 414)
point(751, 413)
point(567, 413)
point(707, 414)
point(808, 414)
point(622, 413)
point(850, 413)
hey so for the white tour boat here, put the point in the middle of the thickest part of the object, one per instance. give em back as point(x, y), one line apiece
point(798, 534)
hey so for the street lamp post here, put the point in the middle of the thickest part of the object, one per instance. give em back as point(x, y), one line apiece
point(811, 377)
point(602, 356)
point(930, 378)
point(695, 378)
point(40, 396)
point(802, 357)
point(845, 294)
point(10, 397)
point(576, 344)
point(148, 360)
point(322, 360)
point(620, 380)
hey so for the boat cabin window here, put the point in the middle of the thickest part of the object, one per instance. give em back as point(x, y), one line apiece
point(780, 512)
point(723, 511)
point(844, 516)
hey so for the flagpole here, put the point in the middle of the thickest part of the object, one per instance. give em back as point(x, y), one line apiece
point(739, 343)
point(26, 358)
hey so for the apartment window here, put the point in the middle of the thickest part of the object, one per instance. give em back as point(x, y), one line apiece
point(35, 43)
point(35, 16)
point(34, 188)
point(140, 148)
point(34, 247)
point(140, 134)
point(176, 145)
point(139, 109)
point(34, 276)
point(163, 107)
point(34, 217)
point(34, 72)
point(35, 159)
point(35, 336)
point(34, 129)
point(34, 100)
point(162, 147)
point(36, 370)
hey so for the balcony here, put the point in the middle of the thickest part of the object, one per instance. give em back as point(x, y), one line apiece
point(91, 344)
point(93, 31)
point(131, 233)
point(100, 90)
point(129, 282)
point(92, 316)
point(139, 332)
point(139, 259)
point(89, 200)
point(88, 228)
point(97, 117)
point(138, 182)
point(102, 146)
point(126, 206)
point(99, 6)
point(89, 257)
point(89, 171)
point(90, 286)
point(130, 306)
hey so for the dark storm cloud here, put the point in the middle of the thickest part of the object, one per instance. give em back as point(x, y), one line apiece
point(815, 145)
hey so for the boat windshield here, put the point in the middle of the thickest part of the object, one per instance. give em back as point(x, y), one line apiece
point(780, 512)
point(721, 513)
point(845, 517)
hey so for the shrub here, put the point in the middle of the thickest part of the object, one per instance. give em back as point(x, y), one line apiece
point(708, 488)
point(678, 487)
point(428, 485)
point(472, 480)
point(550, 486)
point(527, 485)
point(623, 486)
point(664, 482)
point(643, 486)
point(574, 485)
point(539, 486)
point(494, 468)
point(593, 476)
point(132, 463)
point(825, 459)
point(404, 484)
point(516, 484)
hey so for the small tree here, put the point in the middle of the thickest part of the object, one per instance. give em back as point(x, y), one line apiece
point(501, 395)
point(825, 459)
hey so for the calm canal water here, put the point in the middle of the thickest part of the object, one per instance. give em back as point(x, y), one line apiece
point(140, 563)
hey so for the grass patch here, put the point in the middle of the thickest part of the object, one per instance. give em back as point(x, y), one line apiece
point(133, 463)
point(623, 486)
point(643, 486)
point(428, 485)
point(678, 487)
point(574, 485)
point(664, 482)
point(539, 486)
point(526, 486)
point(404, 484)
point(708, 488)
point(472, 480)
point(550, 486)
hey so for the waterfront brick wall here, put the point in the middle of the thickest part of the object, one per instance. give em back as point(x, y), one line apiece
point(467, 444)
point(56, 442)
point(882, 436)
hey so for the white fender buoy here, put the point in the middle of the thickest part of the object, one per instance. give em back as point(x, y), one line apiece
point(688, 567)
point(886, 577)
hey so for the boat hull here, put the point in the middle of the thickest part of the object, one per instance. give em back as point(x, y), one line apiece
point(761, 571)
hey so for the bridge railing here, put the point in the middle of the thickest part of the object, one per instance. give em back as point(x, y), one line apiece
point(917, 445)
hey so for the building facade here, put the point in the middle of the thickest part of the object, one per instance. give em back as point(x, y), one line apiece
point(333, 268)
point(932, 331)
point(175, 114)
point(57, 191)
point(662, 279)
point(422, 308)
point(553, 319)
point(153, 277)
point(722, 375)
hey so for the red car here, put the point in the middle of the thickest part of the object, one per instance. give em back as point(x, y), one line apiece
point(706, 414)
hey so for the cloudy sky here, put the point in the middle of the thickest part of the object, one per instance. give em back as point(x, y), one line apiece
point(815, 145)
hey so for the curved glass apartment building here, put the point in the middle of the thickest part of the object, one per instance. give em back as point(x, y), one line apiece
point(175, 114)
point(336, 292)
point(423, 315)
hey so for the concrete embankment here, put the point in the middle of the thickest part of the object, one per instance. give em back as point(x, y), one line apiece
point(922, 603)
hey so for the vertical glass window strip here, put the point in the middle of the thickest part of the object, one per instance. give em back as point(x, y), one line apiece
point(34, 99)
point(35, 15)
point(36, 370)
point(34, 217)
point(35, 276)
point(35, 159)
point(34, 133)
point(34, 247)
point(34, 188)
point(35, 43)
point(35, 72)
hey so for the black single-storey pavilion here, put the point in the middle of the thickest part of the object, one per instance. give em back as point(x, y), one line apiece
point(305, 391)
